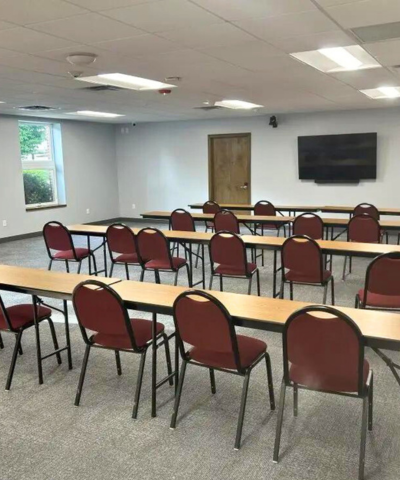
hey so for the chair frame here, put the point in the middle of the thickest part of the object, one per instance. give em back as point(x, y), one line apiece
point(135, 349)
point(278, 227)
point(309, 215)
point(209, 222)
point(17, 332)
point(247, 275)
point(323, 283)
point(157, 271)
point(241, 371)
point(224, 211)
point(385, 233)
point(364, 390)
point(90, 256)
point(113, 261)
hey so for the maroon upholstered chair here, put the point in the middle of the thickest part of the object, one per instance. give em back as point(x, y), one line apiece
point(266, 209)
point(210, 207)
point(182, 221)
point(225, 220)
point(323, 350)
point(207, 338)
point(18, 318)
point(100, 310)
point(154, 255)
point(369, 209)
point(309, 224)
point(122, 247)
point(60, 247)
point(363, 229)
point(228, 259)
point(302, 263)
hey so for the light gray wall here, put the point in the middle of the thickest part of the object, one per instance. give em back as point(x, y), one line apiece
point(162, 166)
point(90, 177)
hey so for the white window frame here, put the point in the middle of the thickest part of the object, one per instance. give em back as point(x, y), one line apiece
point(49, 165)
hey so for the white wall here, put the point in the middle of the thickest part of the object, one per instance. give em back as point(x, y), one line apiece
point(162, 166)
point(90, 177)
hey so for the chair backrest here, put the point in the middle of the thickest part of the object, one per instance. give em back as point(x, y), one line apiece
point(325, 344)
point(309, 224)
point(303, 255)
point(364, 228)
point(203, 321)
point(366, 208)
point(120, 239)
point(227, 221)
point(100, 309)
point(182, 220)
point(383, 276)
point(211, 207)
point(57, 237)
point(264, 208)
point(152, 245)
point(228, 249)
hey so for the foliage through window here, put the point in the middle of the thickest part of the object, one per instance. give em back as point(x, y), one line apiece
point(38, 163)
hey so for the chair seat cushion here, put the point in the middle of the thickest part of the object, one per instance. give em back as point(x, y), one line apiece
point(69, 254)
point(249, 350)
point(378, 300)
point(164, 264)
point(141, 330)
point(127, 258)
point(300, 277)
point(235, 270)
point(21, 315)
point(339, 382)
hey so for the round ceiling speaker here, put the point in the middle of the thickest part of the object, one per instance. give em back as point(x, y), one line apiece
point(81, 58)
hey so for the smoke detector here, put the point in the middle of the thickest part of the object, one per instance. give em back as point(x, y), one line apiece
point(81, 59)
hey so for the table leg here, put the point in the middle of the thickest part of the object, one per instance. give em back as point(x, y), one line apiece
point(203, 268)
point(190, 265)
point(154, 367)
point(105, 257)
point(67, 337)
point(37, 335)
point(274, 276)
point(89, 257)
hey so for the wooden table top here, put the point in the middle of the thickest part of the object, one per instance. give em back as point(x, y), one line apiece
point(250, 206)
point(260, 312)
point(349, 209)
point(210, 216)
point(34, 280)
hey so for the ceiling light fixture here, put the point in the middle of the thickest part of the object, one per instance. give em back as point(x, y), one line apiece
point(90, 113)
point(382, 92)
point(342, 57)
point(237, 105)
point(81, 59)
point(126, 81)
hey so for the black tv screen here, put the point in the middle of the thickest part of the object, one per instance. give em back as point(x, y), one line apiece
point(338, 157)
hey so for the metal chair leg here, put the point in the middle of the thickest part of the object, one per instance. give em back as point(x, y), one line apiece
point(80, 266)
point(111, 269)
point(176, 278)
point(82, 376)
point(127, 271)
point(168, 358)
point(279, 422)
point(350, 264)
point(13, 360)
point(242, 410)
point(178, 394)
point(250, 282)
point(139, 382)
point(258, 283)
point(325, 293)
point(94, 263)
point(141, 275)
point(67, 266)
point(211, 281)
point(1, 342)
point(344, 268)
point(282, 292)
point(270, 381)
point(50, 264)
point(189, 275)
point(371, 403)
point(221, 284)
point(212, 380)
point(295, 400)
point(55, 342)
point(363, 438)
point(291, 290)
point(333, 291)
point(157, 276)
point(197, 256)
point(118, 362)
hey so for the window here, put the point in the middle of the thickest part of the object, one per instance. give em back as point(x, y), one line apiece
point(41, 158)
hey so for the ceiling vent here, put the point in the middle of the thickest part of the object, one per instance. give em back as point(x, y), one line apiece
point(103, 88)
point(210, 107)
point(36, 108)
point(377, 33)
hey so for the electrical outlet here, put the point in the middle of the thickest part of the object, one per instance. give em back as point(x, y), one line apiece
point(4, 223)
point(133, 206)
point(88, 211)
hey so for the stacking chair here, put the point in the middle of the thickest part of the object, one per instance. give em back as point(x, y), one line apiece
point(369, 209)
point(207, 338)
point(154, 255)
point(60, 247)
point(181, 220)
point(266, 209)
point(210, 207)
point(323, 351)
point(302, 263)
point(16, 320)
point(122, 247)
point(228, 251)
point(100, 310)
point(364, 229)
point(309, 224)
point(225, 220)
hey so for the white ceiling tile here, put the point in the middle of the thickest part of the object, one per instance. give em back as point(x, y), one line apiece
point(98, 5)
point(140, 45)
point(330, 3)
point(305, 43)
point(163, 15)
point(288, 25)
point(220, 34)
point(24, 12)
point(35, 64)
point(366, 12)
point(25, 40)
point(245, 9)
point(364, 79)
point(6, 25)
point(89, 28)
point(387, 53)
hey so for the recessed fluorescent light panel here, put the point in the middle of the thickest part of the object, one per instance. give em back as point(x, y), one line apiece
point(89, 113)
point(237, 105)
point(338, 59)
point(382, 92)
point(125, 81)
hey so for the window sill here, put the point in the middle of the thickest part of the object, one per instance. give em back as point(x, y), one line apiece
point(44, 207)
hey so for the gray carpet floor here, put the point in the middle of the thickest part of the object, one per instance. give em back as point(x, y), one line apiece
point(44, 437)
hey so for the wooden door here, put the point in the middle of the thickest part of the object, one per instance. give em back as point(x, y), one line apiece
point(229, 159)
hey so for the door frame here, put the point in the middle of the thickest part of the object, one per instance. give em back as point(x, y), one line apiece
point(211, 160)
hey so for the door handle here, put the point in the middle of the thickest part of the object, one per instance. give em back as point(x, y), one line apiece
point(244, 187)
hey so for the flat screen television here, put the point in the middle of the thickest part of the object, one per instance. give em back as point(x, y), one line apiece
point(338, 158)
